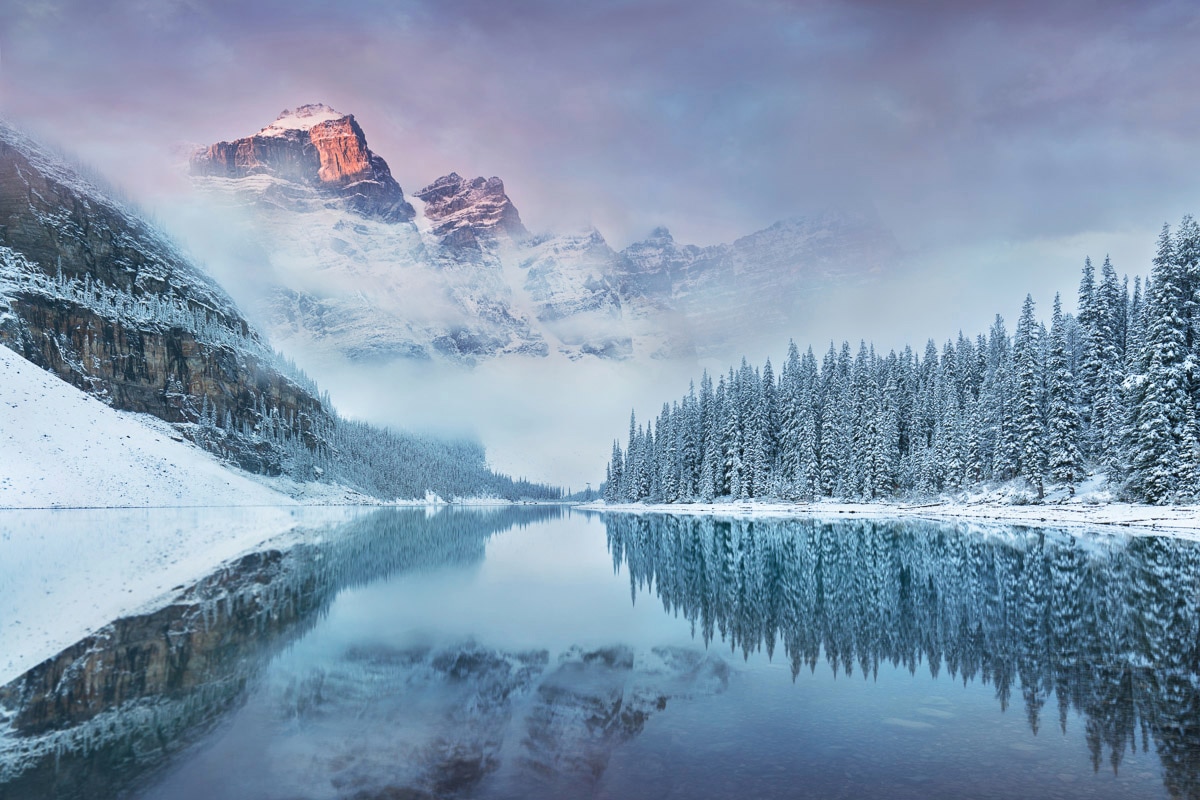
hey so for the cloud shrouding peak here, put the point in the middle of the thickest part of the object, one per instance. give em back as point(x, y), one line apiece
point(954, 120)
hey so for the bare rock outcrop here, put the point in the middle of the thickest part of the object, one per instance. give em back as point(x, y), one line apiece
point(317, 147)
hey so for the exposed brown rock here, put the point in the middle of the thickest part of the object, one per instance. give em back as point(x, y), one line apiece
point(68, 230)
point(318, 147)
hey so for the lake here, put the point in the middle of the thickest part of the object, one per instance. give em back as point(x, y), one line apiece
point(540, 652)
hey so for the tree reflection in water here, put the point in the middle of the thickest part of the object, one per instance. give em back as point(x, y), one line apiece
point(1107, 625)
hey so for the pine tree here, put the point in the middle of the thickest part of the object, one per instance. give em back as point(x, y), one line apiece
point(808, 464)
point(1030, 398)
point(1089, 377)
point(1161, 399)
point(769, 421)
point(833, 403)
point(999, 407)
point(1066, 461)
point(613, 484)
point(789, 424)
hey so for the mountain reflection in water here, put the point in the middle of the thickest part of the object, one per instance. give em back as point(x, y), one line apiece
point(93, 720)
point(495, 654)
point(1107, 625)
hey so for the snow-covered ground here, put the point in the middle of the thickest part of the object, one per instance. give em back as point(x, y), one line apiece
point(1182, 521)
point(66, 573)
point(62, 448)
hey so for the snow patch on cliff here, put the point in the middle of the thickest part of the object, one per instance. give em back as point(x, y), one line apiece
point(303, 118)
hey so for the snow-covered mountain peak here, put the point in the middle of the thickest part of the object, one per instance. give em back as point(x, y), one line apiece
point(302, 118)
point(311, 148)
point(467, 208)
point(358, 270)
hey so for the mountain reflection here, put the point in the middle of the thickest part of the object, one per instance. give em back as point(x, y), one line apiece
point(1109, 626)
point(97, 718)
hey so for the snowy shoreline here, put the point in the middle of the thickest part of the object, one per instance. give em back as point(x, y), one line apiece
point(1130, 518)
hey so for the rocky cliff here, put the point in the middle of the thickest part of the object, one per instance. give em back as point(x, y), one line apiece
point(317, 147)
point(94, 294)
point(463, 210)
point(463, 279)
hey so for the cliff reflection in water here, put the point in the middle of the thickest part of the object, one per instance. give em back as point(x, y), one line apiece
point(1107, 625)
point(94, 720)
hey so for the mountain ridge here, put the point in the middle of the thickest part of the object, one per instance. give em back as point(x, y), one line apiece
point(96, 295)
point(490, 287)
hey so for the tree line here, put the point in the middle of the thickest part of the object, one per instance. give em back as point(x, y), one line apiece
point(382, 462)
point(1112, 390)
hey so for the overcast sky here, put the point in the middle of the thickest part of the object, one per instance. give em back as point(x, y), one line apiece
point(1000, 143)
point(957, 122)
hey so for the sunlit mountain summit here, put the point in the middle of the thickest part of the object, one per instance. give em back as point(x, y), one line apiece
point(340, 260)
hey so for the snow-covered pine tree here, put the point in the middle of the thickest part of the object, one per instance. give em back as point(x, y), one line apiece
point(789, 424)
point(887, 454)
point(769, 418)
point(1088, 317)
point(1030, 397)
point(999, 406)
point(1066, 460)
point(629, 470)
point(833, 401)
point(859, 475)
point(1102, 368)
point(808, 469)
point(616, 468)
point(710, 457)
point(1160, 391)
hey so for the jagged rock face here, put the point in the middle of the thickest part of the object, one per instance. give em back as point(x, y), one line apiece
point(315, 146)
point(488, 288)
point(97, 296)
point(463, 210)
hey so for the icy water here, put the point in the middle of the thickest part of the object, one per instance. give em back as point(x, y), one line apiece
point(543, 653)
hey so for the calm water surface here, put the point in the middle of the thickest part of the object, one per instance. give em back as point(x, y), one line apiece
point(540, 653)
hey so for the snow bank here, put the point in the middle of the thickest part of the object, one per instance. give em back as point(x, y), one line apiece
point(1181, 521)
point(60, 447)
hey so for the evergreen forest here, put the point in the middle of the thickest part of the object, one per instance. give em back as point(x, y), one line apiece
point(1110, 392)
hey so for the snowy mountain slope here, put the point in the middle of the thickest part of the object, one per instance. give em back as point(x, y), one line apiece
point(571, 281)
point(96, 295)
point(60, 447)
point(462, 279)
point(774, 276)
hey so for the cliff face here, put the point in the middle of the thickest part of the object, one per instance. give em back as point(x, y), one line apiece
point(462, 210)
point(97, 296)
point(318, 147)
point(463, 279)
